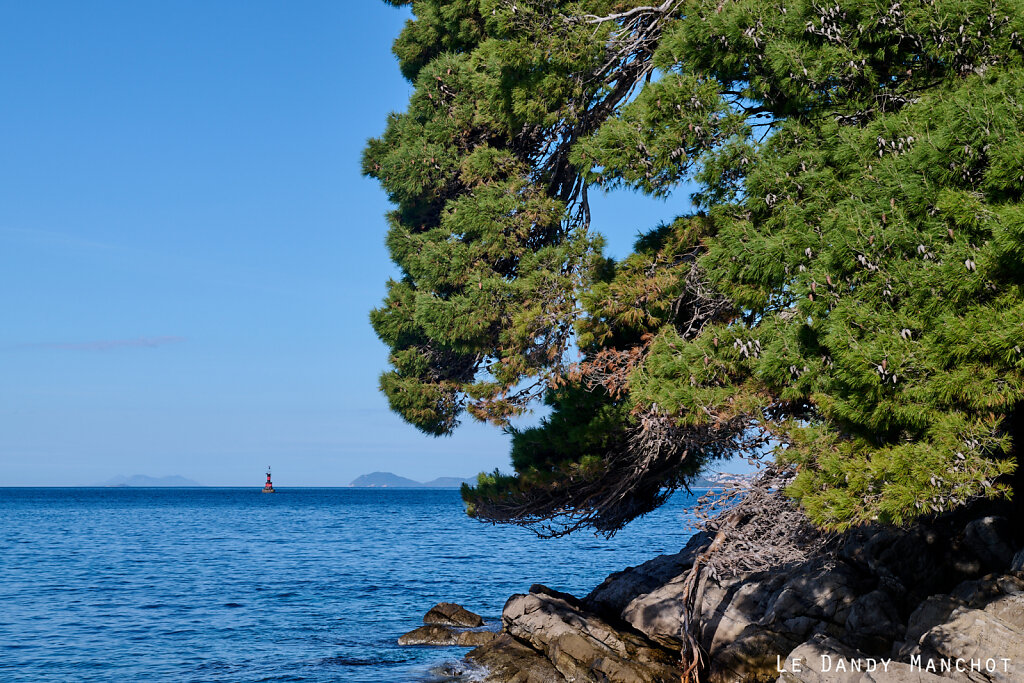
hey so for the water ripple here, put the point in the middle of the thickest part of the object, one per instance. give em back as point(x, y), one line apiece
point(231, 585)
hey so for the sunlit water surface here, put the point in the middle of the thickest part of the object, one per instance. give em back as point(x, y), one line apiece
point(208, 584)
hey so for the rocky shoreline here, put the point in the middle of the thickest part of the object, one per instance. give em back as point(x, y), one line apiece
point(943, 599)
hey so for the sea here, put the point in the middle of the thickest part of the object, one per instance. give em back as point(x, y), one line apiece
point(307, 584)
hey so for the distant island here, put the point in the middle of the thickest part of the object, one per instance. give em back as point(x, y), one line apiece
point(145, 480)
point(393, 481)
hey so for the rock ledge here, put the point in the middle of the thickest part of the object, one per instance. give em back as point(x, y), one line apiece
point(947, 590)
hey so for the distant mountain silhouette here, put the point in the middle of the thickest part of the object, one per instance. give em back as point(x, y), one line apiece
point(144, 480)
point(390, 480)
point(383, 479)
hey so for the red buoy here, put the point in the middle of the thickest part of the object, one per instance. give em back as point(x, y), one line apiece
point(269, 488)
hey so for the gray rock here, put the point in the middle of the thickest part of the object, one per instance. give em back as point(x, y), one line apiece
point(475, 638)
point(747, 622)
point(852, 605)
point(509, 661)
point(902, 559)
point(450, 614)
point(724, 609)
point(729, 609)
point(989, 538)
point(1001, 595)
point(619, 589)
point(581, 645)
point(933, 611)
point(659, 613)
point(1009, 609)
point(982, 591)
point(431, 634)
point(751, 656)
point(974, 634)
point(873, 623)
point(820, 592)
point(826, 660)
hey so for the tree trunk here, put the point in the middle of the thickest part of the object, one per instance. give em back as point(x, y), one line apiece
point(1015, 428)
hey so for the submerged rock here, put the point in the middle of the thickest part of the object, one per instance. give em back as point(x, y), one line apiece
point(441, 635)
point(431, 634)
point(450, 614)
point(447, 624)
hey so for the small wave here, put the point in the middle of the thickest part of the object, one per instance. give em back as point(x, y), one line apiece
point(461, 671)
point(233, 604)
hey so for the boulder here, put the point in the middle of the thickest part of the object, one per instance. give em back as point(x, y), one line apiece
point(509, 661)
point(816, 590)
point(475, 638)
point(925, 559)
point(450, 614)
point(874, 622)
point(933, 611)
point(1002, 592)
point(825, 660)
point(751, 656)
point(872, 599)
point(431, 634)
point(725, 608)
point(621, 588)
point(1018, 562)
point(993, 635)
point(581, 645)
point(990, 540)
point(658, 614)
point(983, 591)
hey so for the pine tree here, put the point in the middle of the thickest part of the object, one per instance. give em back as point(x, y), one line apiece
point(847, 281)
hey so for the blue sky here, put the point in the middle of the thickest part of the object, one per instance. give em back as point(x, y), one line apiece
point(188, 253)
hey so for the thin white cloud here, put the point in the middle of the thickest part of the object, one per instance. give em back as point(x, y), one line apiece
point(107, 344)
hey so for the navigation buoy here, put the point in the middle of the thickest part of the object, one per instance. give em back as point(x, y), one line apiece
point(269, 487)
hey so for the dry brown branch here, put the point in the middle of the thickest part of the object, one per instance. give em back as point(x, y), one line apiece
point(638, 474)
point(756, 528)
point(609, 369)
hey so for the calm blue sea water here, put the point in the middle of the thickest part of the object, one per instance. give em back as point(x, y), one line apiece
point(231, 585)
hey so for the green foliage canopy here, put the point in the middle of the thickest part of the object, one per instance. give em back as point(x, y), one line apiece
point(848, 278)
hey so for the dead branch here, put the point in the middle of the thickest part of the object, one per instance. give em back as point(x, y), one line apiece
point(638, 474)
point(756, 528)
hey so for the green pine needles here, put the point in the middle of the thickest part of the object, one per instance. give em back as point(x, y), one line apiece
point(846, 281)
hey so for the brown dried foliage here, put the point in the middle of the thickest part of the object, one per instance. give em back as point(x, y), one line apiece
point(756, 528)
point(636, 475)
